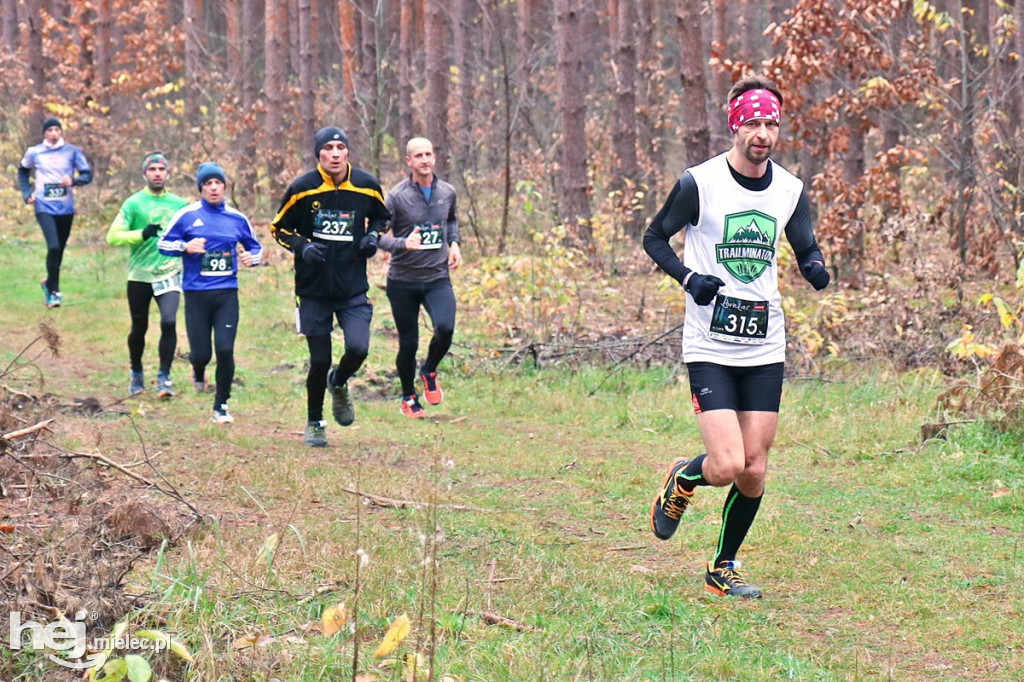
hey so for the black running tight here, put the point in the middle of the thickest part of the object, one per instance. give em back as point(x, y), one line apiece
point(406, 298)
point(213, 311)
point(139, 296)
point(56, 231)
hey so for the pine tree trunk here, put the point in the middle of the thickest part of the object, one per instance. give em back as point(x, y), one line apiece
point(36, 60)
point(276, 18)
point(102, 52)
point(405, 24)
point(234, 42)
point(575, 203)
point(696, 133)
point(193, 62)
point(347, 19)
point(10, 27)
point(437, 82)
point(249, 47)
point(307, 79)
point(624, 142)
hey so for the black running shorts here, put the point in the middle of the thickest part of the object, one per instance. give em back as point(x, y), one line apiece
point(743, 389)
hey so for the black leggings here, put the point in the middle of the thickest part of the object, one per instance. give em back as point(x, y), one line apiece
point(139, 296)
point(355, 325)
point(56, 230)
point(217, 311)
point(406, 298)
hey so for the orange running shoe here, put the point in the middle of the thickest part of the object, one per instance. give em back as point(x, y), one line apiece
point(411, 407)
point(431, 389)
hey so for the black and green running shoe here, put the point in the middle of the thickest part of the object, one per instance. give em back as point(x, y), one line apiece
point(670, 503)
point(725, 581)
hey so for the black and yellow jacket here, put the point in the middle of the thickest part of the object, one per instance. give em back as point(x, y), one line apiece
point(314, 209)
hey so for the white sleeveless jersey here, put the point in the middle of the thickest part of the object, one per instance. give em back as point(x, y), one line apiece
point(736, 239)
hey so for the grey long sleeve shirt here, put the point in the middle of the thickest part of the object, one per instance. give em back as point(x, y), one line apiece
point(438, 225)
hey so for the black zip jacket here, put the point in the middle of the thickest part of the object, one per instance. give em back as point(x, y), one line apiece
point(314, 209)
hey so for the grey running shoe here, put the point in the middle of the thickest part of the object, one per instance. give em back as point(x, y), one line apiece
point(164, 386)
point(201, 385)
point(341, 403)
point(138, 383)
point(221, 416)
point(670, 503)
point(315, 435)
point(725, 581)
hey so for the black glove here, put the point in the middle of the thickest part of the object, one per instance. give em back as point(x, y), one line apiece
point(816, 273)
point(314, 254)
point(703, 288)
point(368, 245)
point(149, 231)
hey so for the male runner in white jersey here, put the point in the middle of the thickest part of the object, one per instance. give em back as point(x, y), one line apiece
point(734, 208)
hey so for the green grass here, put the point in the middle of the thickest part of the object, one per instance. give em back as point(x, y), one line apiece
point(880, 557)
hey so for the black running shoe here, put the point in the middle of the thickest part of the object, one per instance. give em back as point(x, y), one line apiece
point(670, 503)
point(341, 403)
point(726, 581)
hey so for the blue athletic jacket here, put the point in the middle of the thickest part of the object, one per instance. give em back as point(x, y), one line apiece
point(223, 227)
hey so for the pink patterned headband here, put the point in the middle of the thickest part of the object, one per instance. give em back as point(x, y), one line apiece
point(753, 104)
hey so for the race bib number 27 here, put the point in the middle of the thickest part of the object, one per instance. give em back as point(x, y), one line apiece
point(430, 236)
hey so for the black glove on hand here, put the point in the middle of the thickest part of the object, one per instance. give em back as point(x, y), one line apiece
point(149, 231)
point(816, 273)
point(368, 245)
point(703, 288)
point(314, 254)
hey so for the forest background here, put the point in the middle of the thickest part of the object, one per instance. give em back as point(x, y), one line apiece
point(563, 125)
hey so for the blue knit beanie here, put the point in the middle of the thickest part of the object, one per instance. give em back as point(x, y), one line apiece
point(208, 170)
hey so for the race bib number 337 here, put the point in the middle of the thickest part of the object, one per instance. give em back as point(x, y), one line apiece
point(738, 321)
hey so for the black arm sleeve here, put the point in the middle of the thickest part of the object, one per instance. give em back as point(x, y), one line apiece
point(84, 177)
point(24, 175)
point(800, 235)
point(682, 208)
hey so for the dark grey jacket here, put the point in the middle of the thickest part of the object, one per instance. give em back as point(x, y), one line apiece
point(438, 228)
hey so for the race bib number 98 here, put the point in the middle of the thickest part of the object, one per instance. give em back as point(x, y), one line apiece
point(217, 264)
point(430, 236)
point(332, 225)
point(739, 321)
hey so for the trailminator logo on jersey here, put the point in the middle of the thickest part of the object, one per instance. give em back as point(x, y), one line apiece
point(748, 244)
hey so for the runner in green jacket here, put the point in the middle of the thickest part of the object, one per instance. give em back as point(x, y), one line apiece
point(144, 216)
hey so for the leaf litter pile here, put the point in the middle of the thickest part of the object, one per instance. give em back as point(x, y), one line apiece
point(72, 524)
